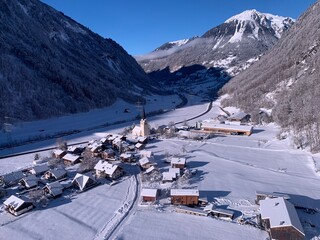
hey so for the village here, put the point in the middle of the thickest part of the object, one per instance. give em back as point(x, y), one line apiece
point(163, 181)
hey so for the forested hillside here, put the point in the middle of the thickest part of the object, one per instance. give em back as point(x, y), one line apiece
point(51, 65)
point(286, 81)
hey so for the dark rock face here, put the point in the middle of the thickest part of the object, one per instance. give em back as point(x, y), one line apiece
point(51, 65)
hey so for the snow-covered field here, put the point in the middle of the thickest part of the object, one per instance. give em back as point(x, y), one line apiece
point(229, 171)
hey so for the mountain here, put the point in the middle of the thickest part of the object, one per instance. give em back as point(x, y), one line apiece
point(232, 46)
point(52, 65)
point(285, 82)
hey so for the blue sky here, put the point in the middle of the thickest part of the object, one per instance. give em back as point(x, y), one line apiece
point(140, 26)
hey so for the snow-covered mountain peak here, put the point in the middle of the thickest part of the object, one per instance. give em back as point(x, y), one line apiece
point(248, 15)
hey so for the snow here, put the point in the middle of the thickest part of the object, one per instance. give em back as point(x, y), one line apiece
point(71, 157)
point(230, 169)
point(184, 192)
point(106, 167)
point(14, 201)
point(178, 161)
point(147, 192)
point(180, 42)
point(280, 212)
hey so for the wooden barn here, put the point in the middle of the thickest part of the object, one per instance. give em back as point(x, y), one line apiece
point(105, 169)
point(145, 163)
point(189, 197)
point(168, 177)
point(240, 118)
point(212, 210)
point(149, 195)
point(213, 127)
point(108, 154)
point(178, 163)
point(17, 205)
point(280, 219)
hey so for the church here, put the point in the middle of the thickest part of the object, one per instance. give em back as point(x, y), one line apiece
point(143, 129)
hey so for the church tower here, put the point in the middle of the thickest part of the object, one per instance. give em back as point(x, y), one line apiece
point(144, 126)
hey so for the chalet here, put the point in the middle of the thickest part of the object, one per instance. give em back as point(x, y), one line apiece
point(184, 196)
point(260, 195)
point(143, 140)
point(139, 146)
point(96, 147)
point(168, 177)
point(145, 163)
point(38, 169)
point(178, 163)
point(55, 174)
point(30, 181)
point(3, 192)
point(11, 178)
point(58, 153)
point(212, 210)
point(76, 150)
point(213, 127)
point(108, 154)
point(145, 153)
point(84, 181)
point(71, 159)
point(280, 219)
point(105, 169)
point(17, 205)
point(54, 189)
point(126, 157)
point(149, 195)
point(239, 118)
point(192, 211)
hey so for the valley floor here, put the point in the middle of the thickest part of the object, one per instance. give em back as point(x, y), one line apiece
point(230, 169)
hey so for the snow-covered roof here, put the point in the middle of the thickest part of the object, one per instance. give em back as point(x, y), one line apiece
point(150, 169)
point(55, 188)
point(71, 157)
point(168, 176)
point(125, 155)
point(38, 169)
point(58, 151)
point(138, 145)
point(82, 180)
point(30, 181)
point(15, 201)
point(12, 177)
point(238, 116)
point(146, 153)
point(192, 210)
point(147, 192)
point(74, 148)
point(106, 167)
point(213, 125)
point(144, 161)
point(184, 192)
point(178, 160)
point(175, 170)
point(222, 210)
point(58, 173)
point(280, 213)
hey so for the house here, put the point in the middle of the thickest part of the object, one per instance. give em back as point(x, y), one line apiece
point(3, 192)
point(178, 163)
point(184, 196)
point(239, 118)
point(279, 217)
point(11, 178)
point(105, 169)
point(38, 169)
point(145, 163)
point(108, 154)
point(145, 153)
point(55, 174)
point(142, 140)
point(219, 212)
point(30, 181)
point(192, 211)
point(149, 195)
point(17, 205)
point(76, 150)
point(126, 157)
point(151, 170)
point(71, 159)
point(210, 126)
point(260, 195)
point(139, 146)
point(58, 153)
point(84, 181)
point(143, 129)
point(168, 177)
point(54, 189)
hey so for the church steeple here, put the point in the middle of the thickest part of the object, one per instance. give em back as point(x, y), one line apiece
point(143, 114)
